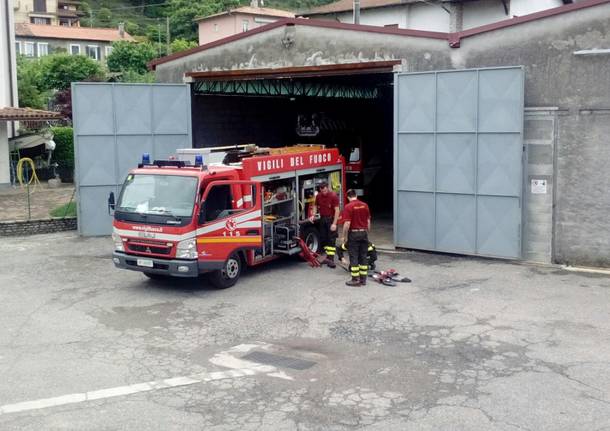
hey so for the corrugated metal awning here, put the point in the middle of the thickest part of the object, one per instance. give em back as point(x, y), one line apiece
point(368, 67)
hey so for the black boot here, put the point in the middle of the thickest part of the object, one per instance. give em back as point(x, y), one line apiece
point(363, 280)
point(330, 262)
point(355, 281)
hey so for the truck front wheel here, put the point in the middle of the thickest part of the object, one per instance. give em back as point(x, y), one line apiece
point(228, 275)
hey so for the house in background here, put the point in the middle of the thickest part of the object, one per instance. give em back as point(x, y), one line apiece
point(239, 20)
point(433, 15)
point(34, 40)
point(48, 12)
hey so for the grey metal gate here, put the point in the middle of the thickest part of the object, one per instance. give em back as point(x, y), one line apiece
point(114, 124)
point(458, 150)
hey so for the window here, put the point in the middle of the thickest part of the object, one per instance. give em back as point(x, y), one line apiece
point(244, 25)
point(164, 195)
point(74, 49)
point(107, 50)
point(40, 5)
point(42, 21)
point(219, 201)
point(18, 47)
point(28, 49)
point(93, 51)
point(43, 49)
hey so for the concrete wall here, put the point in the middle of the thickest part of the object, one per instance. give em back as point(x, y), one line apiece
point(539, 183)
point(578, 85)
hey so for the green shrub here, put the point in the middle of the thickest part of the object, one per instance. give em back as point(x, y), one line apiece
point(64, 149)
point(65, 210)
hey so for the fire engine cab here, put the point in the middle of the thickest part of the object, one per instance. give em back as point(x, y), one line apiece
point(185, 218)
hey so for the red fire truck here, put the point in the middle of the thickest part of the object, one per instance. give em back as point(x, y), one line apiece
point(176, 218)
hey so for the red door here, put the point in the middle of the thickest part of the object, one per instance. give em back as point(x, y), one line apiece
point(229, 220)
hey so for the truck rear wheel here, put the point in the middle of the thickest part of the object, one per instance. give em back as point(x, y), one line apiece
point(228, 275)
point(311, 236)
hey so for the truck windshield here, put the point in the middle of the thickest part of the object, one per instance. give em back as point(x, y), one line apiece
point(158, 194)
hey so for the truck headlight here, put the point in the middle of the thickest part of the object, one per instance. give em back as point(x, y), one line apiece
point(187, 249)
point(118, 242)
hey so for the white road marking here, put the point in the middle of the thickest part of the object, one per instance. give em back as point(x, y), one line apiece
point(238, 368)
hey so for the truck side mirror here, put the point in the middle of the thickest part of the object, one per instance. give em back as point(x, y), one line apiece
point(111, 203)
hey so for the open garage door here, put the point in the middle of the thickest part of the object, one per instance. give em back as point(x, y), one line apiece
point(458, 154)
point(114, 124)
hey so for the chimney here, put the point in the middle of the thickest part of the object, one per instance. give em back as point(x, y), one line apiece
point(122, 29)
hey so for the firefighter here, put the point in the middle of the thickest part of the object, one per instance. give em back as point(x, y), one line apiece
point(327, 204)
point(357, 223)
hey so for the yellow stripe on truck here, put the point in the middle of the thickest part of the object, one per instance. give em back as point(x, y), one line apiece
point(228, 239)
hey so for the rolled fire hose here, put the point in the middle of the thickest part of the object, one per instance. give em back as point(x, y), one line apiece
point(33, 176)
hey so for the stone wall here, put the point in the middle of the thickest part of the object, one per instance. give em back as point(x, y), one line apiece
point(34, 227)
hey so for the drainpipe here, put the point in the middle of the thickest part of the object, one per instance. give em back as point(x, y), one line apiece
point(356, 11)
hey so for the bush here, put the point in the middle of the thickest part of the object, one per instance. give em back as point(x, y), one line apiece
point(65, 210)
point(64, 149)
point(58, 71)
point(130, 56)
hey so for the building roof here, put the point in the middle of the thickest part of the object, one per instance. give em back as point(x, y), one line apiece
point(348, 5)
point(19, 114)
point(453, 39)
point(71, 33)
point(248, 10)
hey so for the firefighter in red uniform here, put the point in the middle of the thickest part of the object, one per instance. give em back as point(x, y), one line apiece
point(357, 223)
point(327, 204)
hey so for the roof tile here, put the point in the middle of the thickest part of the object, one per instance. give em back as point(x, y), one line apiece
point(71, 33)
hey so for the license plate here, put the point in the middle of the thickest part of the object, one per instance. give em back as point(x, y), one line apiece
point(145, 262)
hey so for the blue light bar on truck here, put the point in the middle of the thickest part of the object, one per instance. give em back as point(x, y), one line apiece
point(198, 160)
point(146, 159)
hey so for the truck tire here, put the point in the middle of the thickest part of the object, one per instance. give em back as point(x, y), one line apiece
point(311, 236)
point(229, 274)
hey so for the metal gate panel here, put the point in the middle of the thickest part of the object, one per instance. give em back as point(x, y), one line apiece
point(134, 113)
point(416, 158)
point(114, 124)
point(458, 161)
point(455, 159)
point(416, 226)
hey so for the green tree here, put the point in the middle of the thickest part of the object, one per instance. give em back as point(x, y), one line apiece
point(104, 17)
point(59, 71)
point(129, 56)
point(182, 45)
point(29, 83)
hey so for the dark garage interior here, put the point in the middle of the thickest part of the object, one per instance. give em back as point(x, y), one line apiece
point(343, 111)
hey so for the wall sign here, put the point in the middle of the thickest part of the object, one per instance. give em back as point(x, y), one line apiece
point(538, 187)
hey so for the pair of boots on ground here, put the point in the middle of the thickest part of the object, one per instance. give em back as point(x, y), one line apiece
point(359, 275)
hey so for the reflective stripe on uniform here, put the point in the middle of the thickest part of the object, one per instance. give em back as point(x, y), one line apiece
point(364, 270)
point(355, 270)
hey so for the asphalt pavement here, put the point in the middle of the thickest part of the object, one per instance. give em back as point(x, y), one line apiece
point(470, 344)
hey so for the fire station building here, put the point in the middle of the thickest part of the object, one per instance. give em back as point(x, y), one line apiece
point(491, 141)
